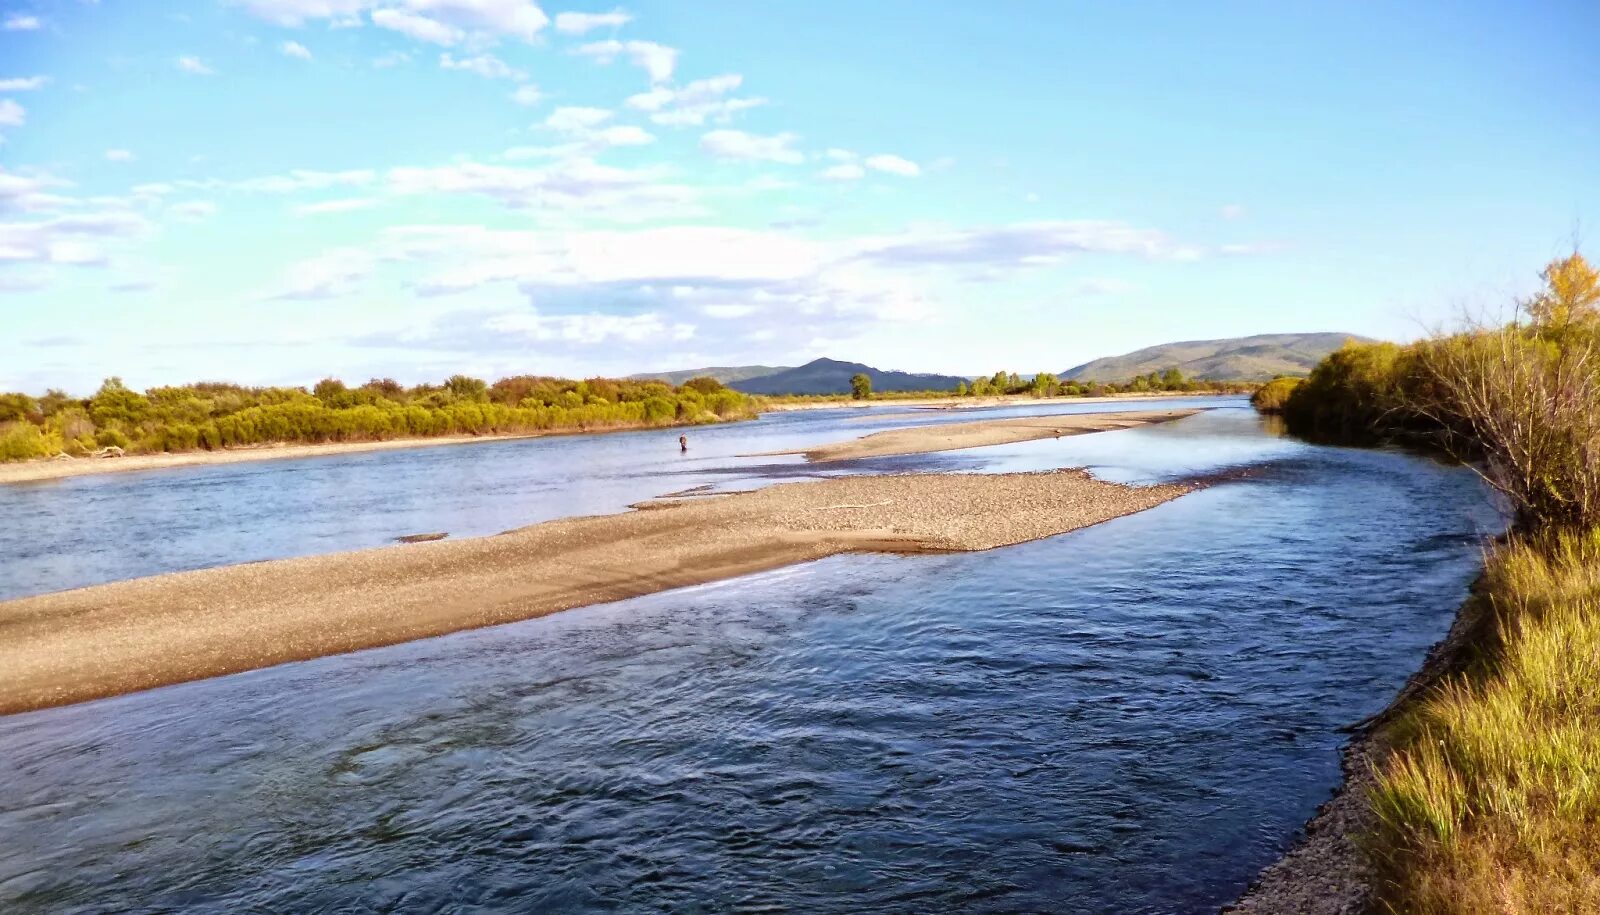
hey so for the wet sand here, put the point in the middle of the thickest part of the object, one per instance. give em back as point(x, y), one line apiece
point(955, 436)
point(110, 639)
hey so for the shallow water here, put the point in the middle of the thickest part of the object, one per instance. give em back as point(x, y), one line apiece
point(87, 530)
point(1134, 717)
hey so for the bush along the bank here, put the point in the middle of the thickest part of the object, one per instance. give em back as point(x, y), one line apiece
point(1271, 397)
point(215, 415)
point(1488, 796)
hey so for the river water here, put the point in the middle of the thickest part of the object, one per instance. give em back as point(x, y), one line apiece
point(1134, 717)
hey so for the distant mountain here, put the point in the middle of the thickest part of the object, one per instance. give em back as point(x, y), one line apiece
point(830, 376)
point(727, 374)
point(1255, 358)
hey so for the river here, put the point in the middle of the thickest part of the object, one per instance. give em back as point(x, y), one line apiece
point(1134, 717)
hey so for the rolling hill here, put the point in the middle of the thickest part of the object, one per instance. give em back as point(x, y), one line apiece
point(830, 376)
point(1256, 358)
point(727, 374)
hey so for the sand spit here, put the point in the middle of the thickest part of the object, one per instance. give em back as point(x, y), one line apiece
point(955, 436)
point(109, 639)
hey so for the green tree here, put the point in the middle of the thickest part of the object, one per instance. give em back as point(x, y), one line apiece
point(860, 386)
point(1172, 379)
point(465, 387)
point(961, 389)
point(115, 405)
point(706, 385)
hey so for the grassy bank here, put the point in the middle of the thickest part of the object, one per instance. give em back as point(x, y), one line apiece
point(1489, 800)
point(1488, 789)
point(214, 416)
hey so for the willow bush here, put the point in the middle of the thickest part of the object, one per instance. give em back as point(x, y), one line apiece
point(213, 415)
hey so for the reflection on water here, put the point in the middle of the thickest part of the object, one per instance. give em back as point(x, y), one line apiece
point(88, 530)
point(1130, 718)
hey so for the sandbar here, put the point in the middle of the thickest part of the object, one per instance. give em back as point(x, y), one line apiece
point(116, 638)
point(981, 433)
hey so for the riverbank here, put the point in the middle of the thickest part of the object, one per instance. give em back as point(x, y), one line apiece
point(105, 640)
point(957, 436)
point(43, 470)
point(975, 403)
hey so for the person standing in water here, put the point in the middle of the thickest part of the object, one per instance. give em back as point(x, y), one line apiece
point(683, 444)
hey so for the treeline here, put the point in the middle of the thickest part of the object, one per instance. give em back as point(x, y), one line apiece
point(213, 415)
point(1046, 384)
point(1041, 385)
point(1488, 798)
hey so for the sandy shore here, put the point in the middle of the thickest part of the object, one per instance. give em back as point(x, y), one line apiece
point(955, 436)
point(109, 639)
point(36, 471)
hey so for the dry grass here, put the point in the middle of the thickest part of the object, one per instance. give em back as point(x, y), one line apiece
point(1490, 801)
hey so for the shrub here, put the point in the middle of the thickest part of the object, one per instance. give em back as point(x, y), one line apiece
point(20, 441)
point(1272, 396)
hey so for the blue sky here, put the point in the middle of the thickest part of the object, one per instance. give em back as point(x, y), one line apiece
point(270, 191)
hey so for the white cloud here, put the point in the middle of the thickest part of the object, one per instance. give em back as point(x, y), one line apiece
point(589, 329)
point(1027, 244)
point(326, 276)
point(894, 165)
point(736, 144)
point(583, 23)
point(623, 135)
point(1232, 211)
point(391, 59)
point(571, 185)
point(27, 193)
point(485, 65)
point(527, 95)
point(294, 13)
point(195, 210)
point(296, 180)
point(342, 205)
point(67, 240)
point(295, 49)
point(696, 103)
point(419, 27)
point(657, 60)
point(845, 171)
point(501, 18)
point(22, 22)
point(23, 84)
point(574, 119)
point(12, 114)
point(118, 155)
point(445, 22)
point(193, 65)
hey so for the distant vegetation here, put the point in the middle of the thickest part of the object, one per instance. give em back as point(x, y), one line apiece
point(1489, 798)
point(1258, 358)
point(214, 415)
point(1041, 385)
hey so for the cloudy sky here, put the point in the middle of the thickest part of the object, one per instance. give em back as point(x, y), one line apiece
point(271, 191)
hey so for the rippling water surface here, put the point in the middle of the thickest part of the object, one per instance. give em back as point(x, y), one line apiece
point(88, 530)
point(1134, 717)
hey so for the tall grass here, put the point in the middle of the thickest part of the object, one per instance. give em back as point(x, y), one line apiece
point(1488, 794)
point(1490, 800)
